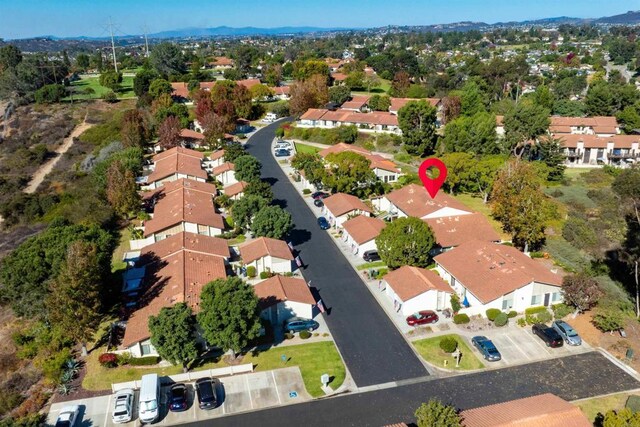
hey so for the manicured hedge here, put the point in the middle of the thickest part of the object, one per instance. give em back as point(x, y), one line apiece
point(501, 319)
point(492, 313)
point(461, 319)
point(448, 344)
point(305, 335)
point(144, 361)
point(535, 310)
point(251, 271)
point(512, 314)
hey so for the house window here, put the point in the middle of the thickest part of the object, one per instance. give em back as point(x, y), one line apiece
point(392, 178)
point(507, 304)
point(555, 296)
point(535, 299)
point(146, 349)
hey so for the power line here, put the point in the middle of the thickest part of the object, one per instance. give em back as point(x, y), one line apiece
point(113, 47)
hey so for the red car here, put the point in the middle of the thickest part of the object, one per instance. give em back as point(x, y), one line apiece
point(422, 318)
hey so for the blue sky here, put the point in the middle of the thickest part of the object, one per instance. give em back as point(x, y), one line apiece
point(26, 18)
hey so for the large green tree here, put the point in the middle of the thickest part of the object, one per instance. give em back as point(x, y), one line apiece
point(472, 99)
point(523, 124)
point(142, 81)
point(436, 414)
point(229, 314)
point(349, 173)
point(417, 120)
point(173, 334)
point(10, 57)
point(122, 190)
point(272, 221)
point(339, 94)
point(474, 134)
point(581, 291)
point(110, 79)
point(247, 168)
point(167, 59)
point(244, 210)
point(311, 164)
point(406, 241)
point(549, 150)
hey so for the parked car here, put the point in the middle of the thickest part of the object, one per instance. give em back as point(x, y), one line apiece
point(371, 256)
point(122, 406)
point(297, 324)
point(284, 144)
point(206, 392)
point(565, 330)
point(487, 348)
point(178, 398)
point(547, 334)
point(68, 416)
point(319, 195)
point(149, 398)
point(323, 223)
point(318, 202)
point(282, 153)
point(423, 317)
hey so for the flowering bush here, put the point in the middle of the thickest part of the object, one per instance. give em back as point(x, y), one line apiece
point(108, 360)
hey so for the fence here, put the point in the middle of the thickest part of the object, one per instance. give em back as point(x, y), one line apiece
point(190, 376)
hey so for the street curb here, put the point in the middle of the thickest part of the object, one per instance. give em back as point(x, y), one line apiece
point(620, 364)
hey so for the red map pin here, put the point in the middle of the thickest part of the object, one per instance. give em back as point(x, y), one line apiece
point(432, 184)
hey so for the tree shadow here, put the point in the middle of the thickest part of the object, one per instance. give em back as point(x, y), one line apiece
point(280, 202)
point(270, 180)
point(298, 236)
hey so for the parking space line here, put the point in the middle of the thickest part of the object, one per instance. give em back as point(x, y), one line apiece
point(275, 383)
point(106, 416)
point(537, 340)
point(246, 380)
point(518, 347)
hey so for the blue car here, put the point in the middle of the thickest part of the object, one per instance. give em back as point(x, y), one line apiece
point(178, 398)
point(486, 347)
point(323, 223)
point(298, 324)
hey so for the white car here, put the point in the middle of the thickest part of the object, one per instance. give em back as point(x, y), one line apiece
point(68, 416)
point(123, 406)
point(282, 145)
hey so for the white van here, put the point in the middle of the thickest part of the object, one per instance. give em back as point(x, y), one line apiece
point(149, 402)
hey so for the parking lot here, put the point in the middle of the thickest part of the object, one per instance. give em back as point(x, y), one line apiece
point(518, 345)
point(238, 393)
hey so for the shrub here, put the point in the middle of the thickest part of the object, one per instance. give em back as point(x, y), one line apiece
point(561, 310)
point(280, 132)
point(288, 335)
point(10, 399)
point(124, 358)
point(501, 319)
point(455, 303)
point(144, 361)
point(110, 97)
point(33, 403)
point(521, 322)
point(305, 335)
point(535, 310)
point(461, 319)
point(53, 366)
point(382, 272)
point(512, 314)
point(241, 136)
point(251, 271)
point(557, 193)
point(306, 191)
point(265, 274)
point(608, 319)
point(537, 254)
point(633, 403)
point(448, 344)
point(492, 313)
point(108, 360)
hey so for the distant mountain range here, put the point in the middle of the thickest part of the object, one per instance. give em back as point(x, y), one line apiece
point(244, 31)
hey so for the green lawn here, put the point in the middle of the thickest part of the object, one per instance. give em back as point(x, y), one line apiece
point(429, 349)
point(313, 359)
point(371, 265)
point(125, 92)
point(384, 87)
point(591, 407)
point(304, 148)
point(123, 246)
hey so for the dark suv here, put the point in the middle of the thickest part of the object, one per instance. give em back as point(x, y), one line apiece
point(297, 324)
point(550, 336)
point(371, 256)
point(206, 392)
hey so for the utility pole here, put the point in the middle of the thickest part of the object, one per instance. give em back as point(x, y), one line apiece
point(113, 47)
point(146, 42)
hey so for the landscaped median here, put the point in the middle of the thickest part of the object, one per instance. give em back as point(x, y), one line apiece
point(429, 349)
point(313, 359)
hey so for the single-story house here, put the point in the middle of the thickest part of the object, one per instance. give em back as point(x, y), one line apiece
point(267, 254)
point(214, 160)
point(235, 191)
point(414, 289)
point(179, 277)
point(451, 231)
point(243, 125)
point(546, 410)
point(361, 231)
point(281, 92)
point(386, 170)
point(489, 275)
point(284, 297)
point(358, 103)
point(221, 62)
point(186, 209)
point(225, 173)
point(176, 163)
point(377, 121)
point(413, 200)
point(341, 206)
point(191, 138)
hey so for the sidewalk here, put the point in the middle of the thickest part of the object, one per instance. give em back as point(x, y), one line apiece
point(323, 146)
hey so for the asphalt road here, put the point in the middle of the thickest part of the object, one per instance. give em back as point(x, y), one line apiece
point(573, 377)
point(373, 349)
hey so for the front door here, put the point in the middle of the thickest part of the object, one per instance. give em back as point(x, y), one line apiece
point(547, 297)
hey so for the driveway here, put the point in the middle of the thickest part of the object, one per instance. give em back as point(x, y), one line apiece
point(240, 393)
point(373, 349)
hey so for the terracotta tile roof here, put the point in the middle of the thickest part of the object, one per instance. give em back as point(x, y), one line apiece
point(500, 120)
point(264, 246)
point(177, 278)
point(414, 200)
point(455, 230)
point(338, 115)
point(207, 85)
point(190, 184)
point(175, 161)
point(363, 228)
point(222, 61)
point(178, 150)
point(342, 203)
point(185, 205)
point(398, 103)
point(409, 282)
point(338, 76)
point(180, 89)
point(248, 83)
point(218, 154)
point(191, 134)
point(374, 118)
point(313, 114)
point(545, 410)
point(235, 189)
point(190, 241)
point(226, 166)
point(595, 141)
point(281, 90)
point(377, 161)
point(489, 270)
point(356, 103)
point(603, 121)
point(279, 289)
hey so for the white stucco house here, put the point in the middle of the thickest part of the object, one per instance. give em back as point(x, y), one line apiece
point(489, 275)
point(360, 233)
point(385, 169)
point(214, 160)
point(284, 297)
point(267, 254)
point(415, 289)
point(413, 200)
point(173, 164)
point(339, 207)
point(225, 173)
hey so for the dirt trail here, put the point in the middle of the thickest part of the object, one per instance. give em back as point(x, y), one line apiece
point(44, 170)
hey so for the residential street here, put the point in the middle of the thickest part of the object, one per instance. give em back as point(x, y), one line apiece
point(374, 350)
point(572, 377)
